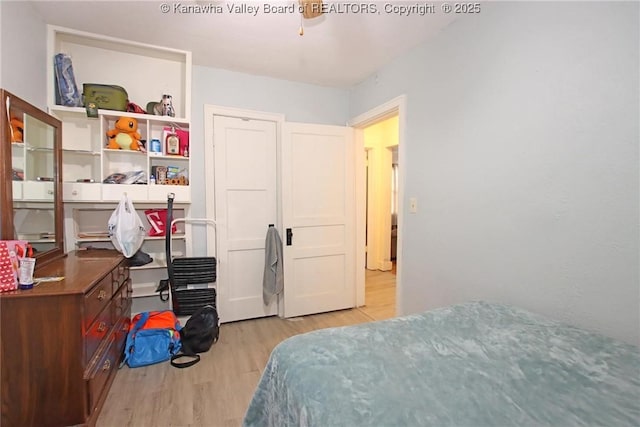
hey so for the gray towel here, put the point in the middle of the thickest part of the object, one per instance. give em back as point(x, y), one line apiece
point(273, 280)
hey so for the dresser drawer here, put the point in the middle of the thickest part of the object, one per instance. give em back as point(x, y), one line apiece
point(96, 300)
point(97, 332)
point(121, 332)
point(102, 371)
point(120, 275)
point(122, 302)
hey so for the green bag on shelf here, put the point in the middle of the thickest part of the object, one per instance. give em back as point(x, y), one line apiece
point(106, 97)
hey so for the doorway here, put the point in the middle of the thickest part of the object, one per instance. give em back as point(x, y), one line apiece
point(394, 108)
point(381, 140)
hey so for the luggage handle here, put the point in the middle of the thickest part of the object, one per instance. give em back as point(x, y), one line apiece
point(171, 221)
point(186, 221)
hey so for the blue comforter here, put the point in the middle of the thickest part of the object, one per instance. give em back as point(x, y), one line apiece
point(474, 364)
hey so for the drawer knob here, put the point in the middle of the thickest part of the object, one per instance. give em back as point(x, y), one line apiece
point(107, 365)
point(74, 192)
point(102, 295)
point(102, 327)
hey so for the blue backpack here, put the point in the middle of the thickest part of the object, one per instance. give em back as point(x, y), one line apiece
point(153, 338)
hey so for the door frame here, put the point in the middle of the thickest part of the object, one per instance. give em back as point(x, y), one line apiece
point(390, 108)
point(217, 110)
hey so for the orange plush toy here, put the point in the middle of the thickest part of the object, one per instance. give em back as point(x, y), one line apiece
point(17, 129)
point(125, 136)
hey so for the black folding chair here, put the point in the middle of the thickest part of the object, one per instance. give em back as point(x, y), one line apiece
point(189, 277)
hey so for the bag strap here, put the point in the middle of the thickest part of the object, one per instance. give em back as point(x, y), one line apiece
point(139, 324)
point(167, 240)
point(195, 359)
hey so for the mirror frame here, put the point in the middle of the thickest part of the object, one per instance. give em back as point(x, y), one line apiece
point(6, 181)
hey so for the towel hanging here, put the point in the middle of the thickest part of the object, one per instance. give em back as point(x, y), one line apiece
point(273, 279)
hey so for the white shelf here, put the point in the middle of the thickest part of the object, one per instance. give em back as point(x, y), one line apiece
point(119, 151)
point(151, 266)
point(145, 290)
point(82, 152)
point(62, 110)
point(106, 239)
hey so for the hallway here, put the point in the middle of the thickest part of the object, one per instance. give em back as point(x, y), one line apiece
point(380, 294)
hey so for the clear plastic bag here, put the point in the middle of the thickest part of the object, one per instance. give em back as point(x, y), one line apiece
point(126, 229)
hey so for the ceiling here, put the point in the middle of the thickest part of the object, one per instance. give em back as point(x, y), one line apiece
point(338, 49)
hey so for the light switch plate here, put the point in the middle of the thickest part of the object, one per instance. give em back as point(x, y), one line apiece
point(413, 205)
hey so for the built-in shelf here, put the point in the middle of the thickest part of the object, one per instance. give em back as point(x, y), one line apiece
point(85, 156)
point(60, 109)
point(107, 239)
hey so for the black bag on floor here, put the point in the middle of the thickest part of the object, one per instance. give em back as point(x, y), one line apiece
point(198, 335)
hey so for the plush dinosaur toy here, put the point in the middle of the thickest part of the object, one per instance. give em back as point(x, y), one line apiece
point(125, 136)
point(17, 129)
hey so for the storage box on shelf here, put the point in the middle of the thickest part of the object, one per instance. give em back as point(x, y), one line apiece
point(88, 229)
point(87, 160)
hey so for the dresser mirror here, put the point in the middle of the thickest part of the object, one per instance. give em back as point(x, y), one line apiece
point(31, 200)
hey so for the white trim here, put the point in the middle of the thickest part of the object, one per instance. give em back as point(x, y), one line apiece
point(102, 38)
point(398, 106)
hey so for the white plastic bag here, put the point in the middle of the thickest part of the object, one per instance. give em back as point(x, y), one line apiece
point(126, 229)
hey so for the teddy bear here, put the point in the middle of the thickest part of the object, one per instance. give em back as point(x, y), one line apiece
point(17, 129)
point(125, 136)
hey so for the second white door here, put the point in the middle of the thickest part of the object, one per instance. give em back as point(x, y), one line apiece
point(318, 201)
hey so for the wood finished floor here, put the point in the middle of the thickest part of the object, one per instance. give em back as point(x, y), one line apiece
point(216, 391)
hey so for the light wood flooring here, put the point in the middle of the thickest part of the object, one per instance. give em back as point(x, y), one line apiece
point(216, 391)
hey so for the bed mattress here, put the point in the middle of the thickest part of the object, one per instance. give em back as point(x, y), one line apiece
point(474, 364)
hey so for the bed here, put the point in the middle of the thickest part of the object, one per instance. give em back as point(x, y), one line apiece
point(474, 364)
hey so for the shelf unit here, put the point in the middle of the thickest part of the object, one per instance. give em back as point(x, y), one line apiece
point(86, 227)
point(86, 157)
point(146, 72)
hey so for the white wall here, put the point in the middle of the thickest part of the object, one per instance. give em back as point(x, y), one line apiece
point(522, 149)
point(299, 102)
point(23, 48)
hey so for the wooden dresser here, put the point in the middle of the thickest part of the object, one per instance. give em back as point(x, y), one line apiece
point(62, 341)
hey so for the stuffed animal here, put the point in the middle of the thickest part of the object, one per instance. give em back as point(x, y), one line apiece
point(17, 129)
point(125, 136)
point(165, 107)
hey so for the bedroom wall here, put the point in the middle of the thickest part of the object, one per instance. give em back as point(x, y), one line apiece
point(298, 102)
point(522, 149)
point(23, 43)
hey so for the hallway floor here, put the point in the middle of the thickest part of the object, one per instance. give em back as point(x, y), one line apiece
point(380, 294)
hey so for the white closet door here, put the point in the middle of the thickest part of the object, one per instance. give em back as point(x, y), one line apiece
point(245, 204)
point(318, 194)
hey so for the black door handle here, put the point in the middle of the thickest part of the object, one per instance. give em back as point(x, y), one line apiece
point(289, 236)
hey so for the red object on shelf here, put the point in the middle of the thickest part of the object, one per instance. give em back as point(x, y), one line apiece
point(158, 220)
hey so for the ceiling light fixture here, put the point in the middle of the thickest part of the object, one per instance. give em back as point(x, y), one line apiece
point(309, 9)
